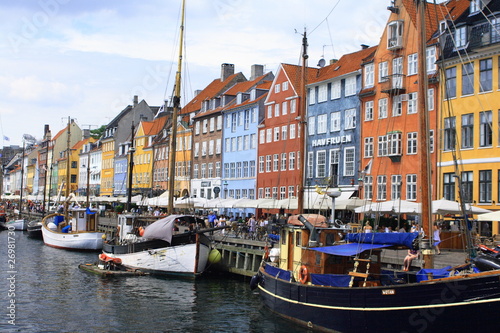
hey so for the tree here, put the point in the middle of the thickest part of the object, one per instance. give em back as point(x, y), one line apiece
point(97, 133)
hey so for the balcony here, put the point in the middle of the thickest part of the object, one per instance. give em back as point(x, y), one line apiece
point(393, 85)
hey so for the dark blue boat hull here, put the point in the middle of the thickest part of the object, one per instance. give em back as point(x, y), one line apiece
point(455, 305)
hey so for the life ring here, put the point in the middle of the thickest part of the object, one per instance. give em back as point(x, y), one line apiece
point(303, 274)
point(141, 231)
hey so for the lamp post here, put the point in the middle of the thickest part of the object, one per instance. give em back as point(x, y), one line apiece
point(333, 194)
point(225, 189)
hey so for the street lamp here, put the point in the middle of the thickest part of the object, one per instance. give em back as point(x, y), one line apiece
point(333, 194)
point(225, 189)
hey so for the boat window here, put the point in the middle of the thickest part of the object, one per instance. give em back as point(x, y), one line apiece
point(283, 236)
point(298, 238)
point(129, 222)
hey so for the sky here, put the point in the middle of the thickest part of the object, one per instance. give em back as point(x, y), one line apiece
point(86, 59)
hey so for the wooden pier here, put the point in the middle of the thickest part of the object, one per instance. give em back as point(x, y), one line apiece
point(239, 256)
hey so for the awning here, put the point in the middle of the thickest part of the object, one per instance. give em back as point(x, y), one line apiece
point(348, 250)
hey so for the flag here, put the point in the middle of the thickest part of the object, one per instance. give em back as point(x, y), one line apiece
point(6, 138)
point(368, 169)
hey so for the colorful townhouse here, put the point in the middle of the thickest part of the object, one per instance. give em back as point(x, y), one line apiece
point(142, 175)
point(207, 133)
point(280, 141)
point(241, 117)
point(334, 130)
point(118, 131)
point(390, 126)
point(85, 168)
point(469, 167)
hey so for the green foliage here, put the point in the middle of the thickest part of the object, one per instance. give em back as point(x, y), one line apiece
point(97, 133)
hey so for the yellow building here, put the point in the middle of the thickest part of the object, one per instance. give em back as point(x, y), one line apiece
point(470, 114)
point(142, 179)
point(107, 171)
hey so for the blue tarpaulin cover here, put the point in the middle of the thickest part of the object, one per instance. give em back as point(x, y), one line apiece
point(348, 250)
point(439, 273)
point(386, 238)
point(333, 280)
point(278, 272)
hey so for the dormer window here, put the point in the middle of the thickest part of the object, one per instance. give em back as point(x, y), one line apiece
point(476, 6)
point(460, 37)
point(395, 35)
point(239, 98)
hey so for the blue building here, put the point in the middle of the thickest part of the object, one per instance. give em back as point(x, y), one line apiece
point(333, 129)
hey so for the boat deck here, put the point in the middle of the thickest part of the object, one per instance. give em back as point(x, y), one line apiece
point(93, 268)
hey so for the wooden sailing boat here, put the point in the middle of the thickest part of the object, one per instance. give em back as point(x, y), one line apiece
point(76, 228)
point(325, 283)
point(172, 245)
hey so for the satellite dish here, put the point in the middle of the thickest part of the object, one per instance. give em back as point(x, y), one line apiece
point(321, 63)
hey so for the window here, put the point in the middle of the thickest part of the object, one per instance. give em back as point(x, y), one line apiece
point(335, 121)
point(485, 186)
point(284, 108)
point(212, 124)
point(269, 111)
point(276, 162)
point(485, 75)
point(382, 108)
point(261, 164)
point(397, 106)
point(467, 186)
point(312, 95)
point(291, 161)
point(411, 187)
point(283, 161)
point(368, 151)
point(449, 133)
point(322, 93)
point(381, 187)
point(276, 110)
point(246, 119)
point(234, 118)
point(197, 128)
point(277, 88)
point(311, 124)
point(205, 126)
point(322, 121)
point(468, 79)
point(204, 148)
point(350, 118)
point(467, 131)
point(397, 72)
point(268, 163)
point(285, 85)
point(321, 164)
point(394, 142)
point(430, 99)
point(252, 169)
point(349, 161)
point(350, 86)
point(369, 75)
point(218, 144)
point(334, 161)
point(476, 6)
point(395, 34)
point(383, 71)
point(310, 163)
point(369, 110)
point(382, 145)
point(431, 141)
point(412, 103)
point(276, 134)
point(396, 182)
point(284, 132)
point(293, 105)
point(368, 187)
point(413, 64)
point(485, 129)
point(451, 82)
point(211, 145)
point(449, 186)
point(430, 59)
point(411, 143)
point(336, 89)
point(460, 37)
point(292, 131)
point(495, 30)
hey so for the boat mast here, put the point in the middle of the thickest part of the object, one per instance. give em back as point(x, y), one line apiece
point(176, 111)
point(425, 172)
point(68, 170)
point(22, 176)
point(302, 125)
point(130, 169)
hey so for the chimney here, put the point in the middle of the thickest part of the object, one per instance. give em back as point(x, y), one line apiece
point(257, 70)
point(364, 46)
point(86, 133)
point(197, 92)
point(136, 100)
point(332, 61)
point(226, 71)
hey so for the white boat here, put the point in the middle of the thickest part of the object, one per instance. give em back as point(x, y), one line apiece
point(79, 234)
point(20, 224)
point(169, 246)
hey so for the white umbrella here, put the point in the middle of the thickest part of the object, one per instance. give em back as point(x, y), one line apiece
point(392, 206)
point(350, 204)
point(443, 207)
point(493, 216)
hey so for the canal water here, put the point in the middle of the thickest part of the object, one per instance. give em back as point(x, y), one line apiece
point(43, 290)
